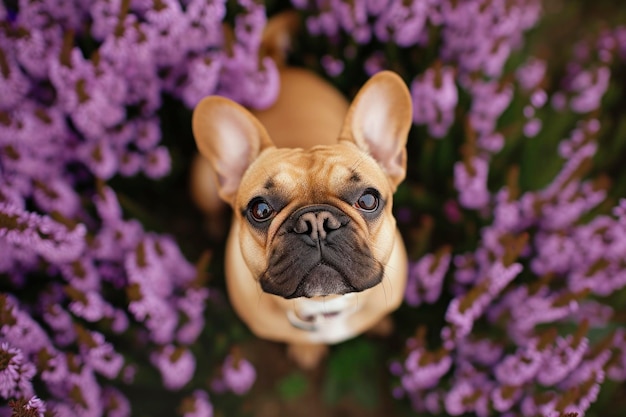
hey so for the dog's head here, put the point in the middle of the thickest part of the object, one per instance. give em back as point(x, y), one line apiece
point(313, 222)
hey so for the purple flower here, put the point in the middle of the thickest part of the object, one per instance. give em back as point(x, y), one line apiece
point(202, 78)
point(483, 352)
point(61, 322)
point(468, 394)
point(157, 162)
point(531, 74)
point(563, 358)
point(489, 100)
point(464, 310)
point(115, 403)
point(504, 397)
point(249, 25)
point(176, 364)
point(520, 367)
point(41, 234)
point(33, 407)
point(589, 87)
point(19, 328)
point(435, 98)
point(192, 305)
point(197, 405)
point(14, 84)
point(423, 369)
point(401, 22)
point(470, 180)
point(99, 354)
point(238, 375)
point(425, 279)
point(332, 66)
point(11, 360)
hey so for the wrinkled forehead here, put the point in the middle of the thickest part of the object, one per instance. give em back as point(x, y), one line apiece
point(328, 170)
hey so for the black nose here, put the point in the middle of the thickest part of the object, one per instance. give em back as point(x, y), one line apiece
point(316, 223)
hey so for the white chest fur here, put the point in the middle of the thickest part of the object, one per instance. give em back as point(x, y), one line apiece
point(325, 319)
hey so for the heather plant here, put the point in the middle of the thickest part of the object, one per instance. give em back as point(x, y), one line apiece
point(513, 209)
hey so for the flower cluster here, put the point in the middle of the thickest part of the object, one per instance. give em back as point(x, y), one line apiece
point(547, 259)
point(81, 85)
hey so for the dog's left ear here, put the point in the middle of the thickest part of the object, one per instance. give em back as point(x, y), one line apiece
point(379, 120)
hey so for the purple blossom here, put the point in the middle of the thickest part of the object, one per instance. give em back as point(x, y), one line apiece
point(588, 88)
point(238, 375)
point(435, 98)
point(520, 367)
point(40, 234)
point(197, 405)
point(33, 407)
point(11, 360)
point(463, 311)
point(483, 352)
point(19, 328)
point(60, 321)
point(99, 354)
point(425, 279)
point(563, 358)
point(468, 395)
point(332, 66)
point(423, 369)
point(531, 74)
point(489, 100)
point(176, 364)
point(470, 180)
point(401, 22)
point(202, 78)
point(157, 162)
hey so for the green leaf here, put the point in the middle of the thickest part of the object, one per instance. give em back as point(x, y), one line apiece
point(351, 373)
point(292, 386)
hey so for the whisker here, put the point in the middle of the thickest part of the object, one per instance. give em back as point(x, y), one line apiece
point(357, 163)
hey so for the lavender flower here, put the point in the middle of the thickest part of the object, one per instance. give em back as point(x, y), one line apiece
point(176, 365)
point(197, 405)
point(470, 179)
point(115, 403)
point(33, 407)
point(435, 96)
point(40, 234)
point(463, 311)
point(238, 375)
point(425, 279)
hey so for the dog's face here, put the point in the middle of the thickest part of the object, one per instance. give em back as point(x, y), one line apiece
point(312, 222)
point(315, 222)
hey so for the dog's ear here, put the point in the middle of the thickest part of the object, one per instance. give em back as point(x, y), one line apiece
point(230, 138)
point(378, 122)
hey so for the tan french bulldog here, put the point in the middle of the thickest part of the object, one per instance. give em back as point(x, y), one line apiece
point(313, 256)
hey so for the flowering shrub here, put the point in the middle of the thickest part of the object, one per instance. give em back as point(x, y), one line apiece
point(81, 84)
point(511, 209)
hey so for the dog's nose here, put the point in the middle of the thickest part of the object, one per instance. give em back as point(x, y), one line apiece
point(314, 224)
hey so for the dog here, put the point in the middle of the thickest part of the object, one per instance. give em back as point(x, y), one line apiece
point(314, 256)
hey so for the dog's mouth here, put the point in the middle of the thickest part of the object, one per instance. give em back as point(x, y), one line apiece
point(322, 280)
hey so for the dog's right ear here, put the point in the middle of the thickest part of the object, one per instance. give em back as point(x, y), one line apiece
point(230, 138)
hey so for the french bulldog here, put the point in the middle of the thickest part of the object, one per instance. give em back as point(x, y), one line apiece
point(313, 256)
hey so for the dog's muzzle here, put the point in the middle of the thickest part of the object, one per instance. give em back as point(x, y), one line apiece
point(319, 252)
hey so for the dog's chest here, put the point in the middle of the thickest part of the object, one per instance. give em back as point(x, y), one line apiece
point(325, 320)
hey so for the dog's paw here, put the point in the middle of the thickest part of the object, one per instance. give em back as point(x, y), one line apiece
point(307, 356)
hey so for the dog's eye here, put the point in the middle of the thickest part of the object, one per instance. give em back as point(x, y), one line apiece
point(368, 201)
point(260, 210)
